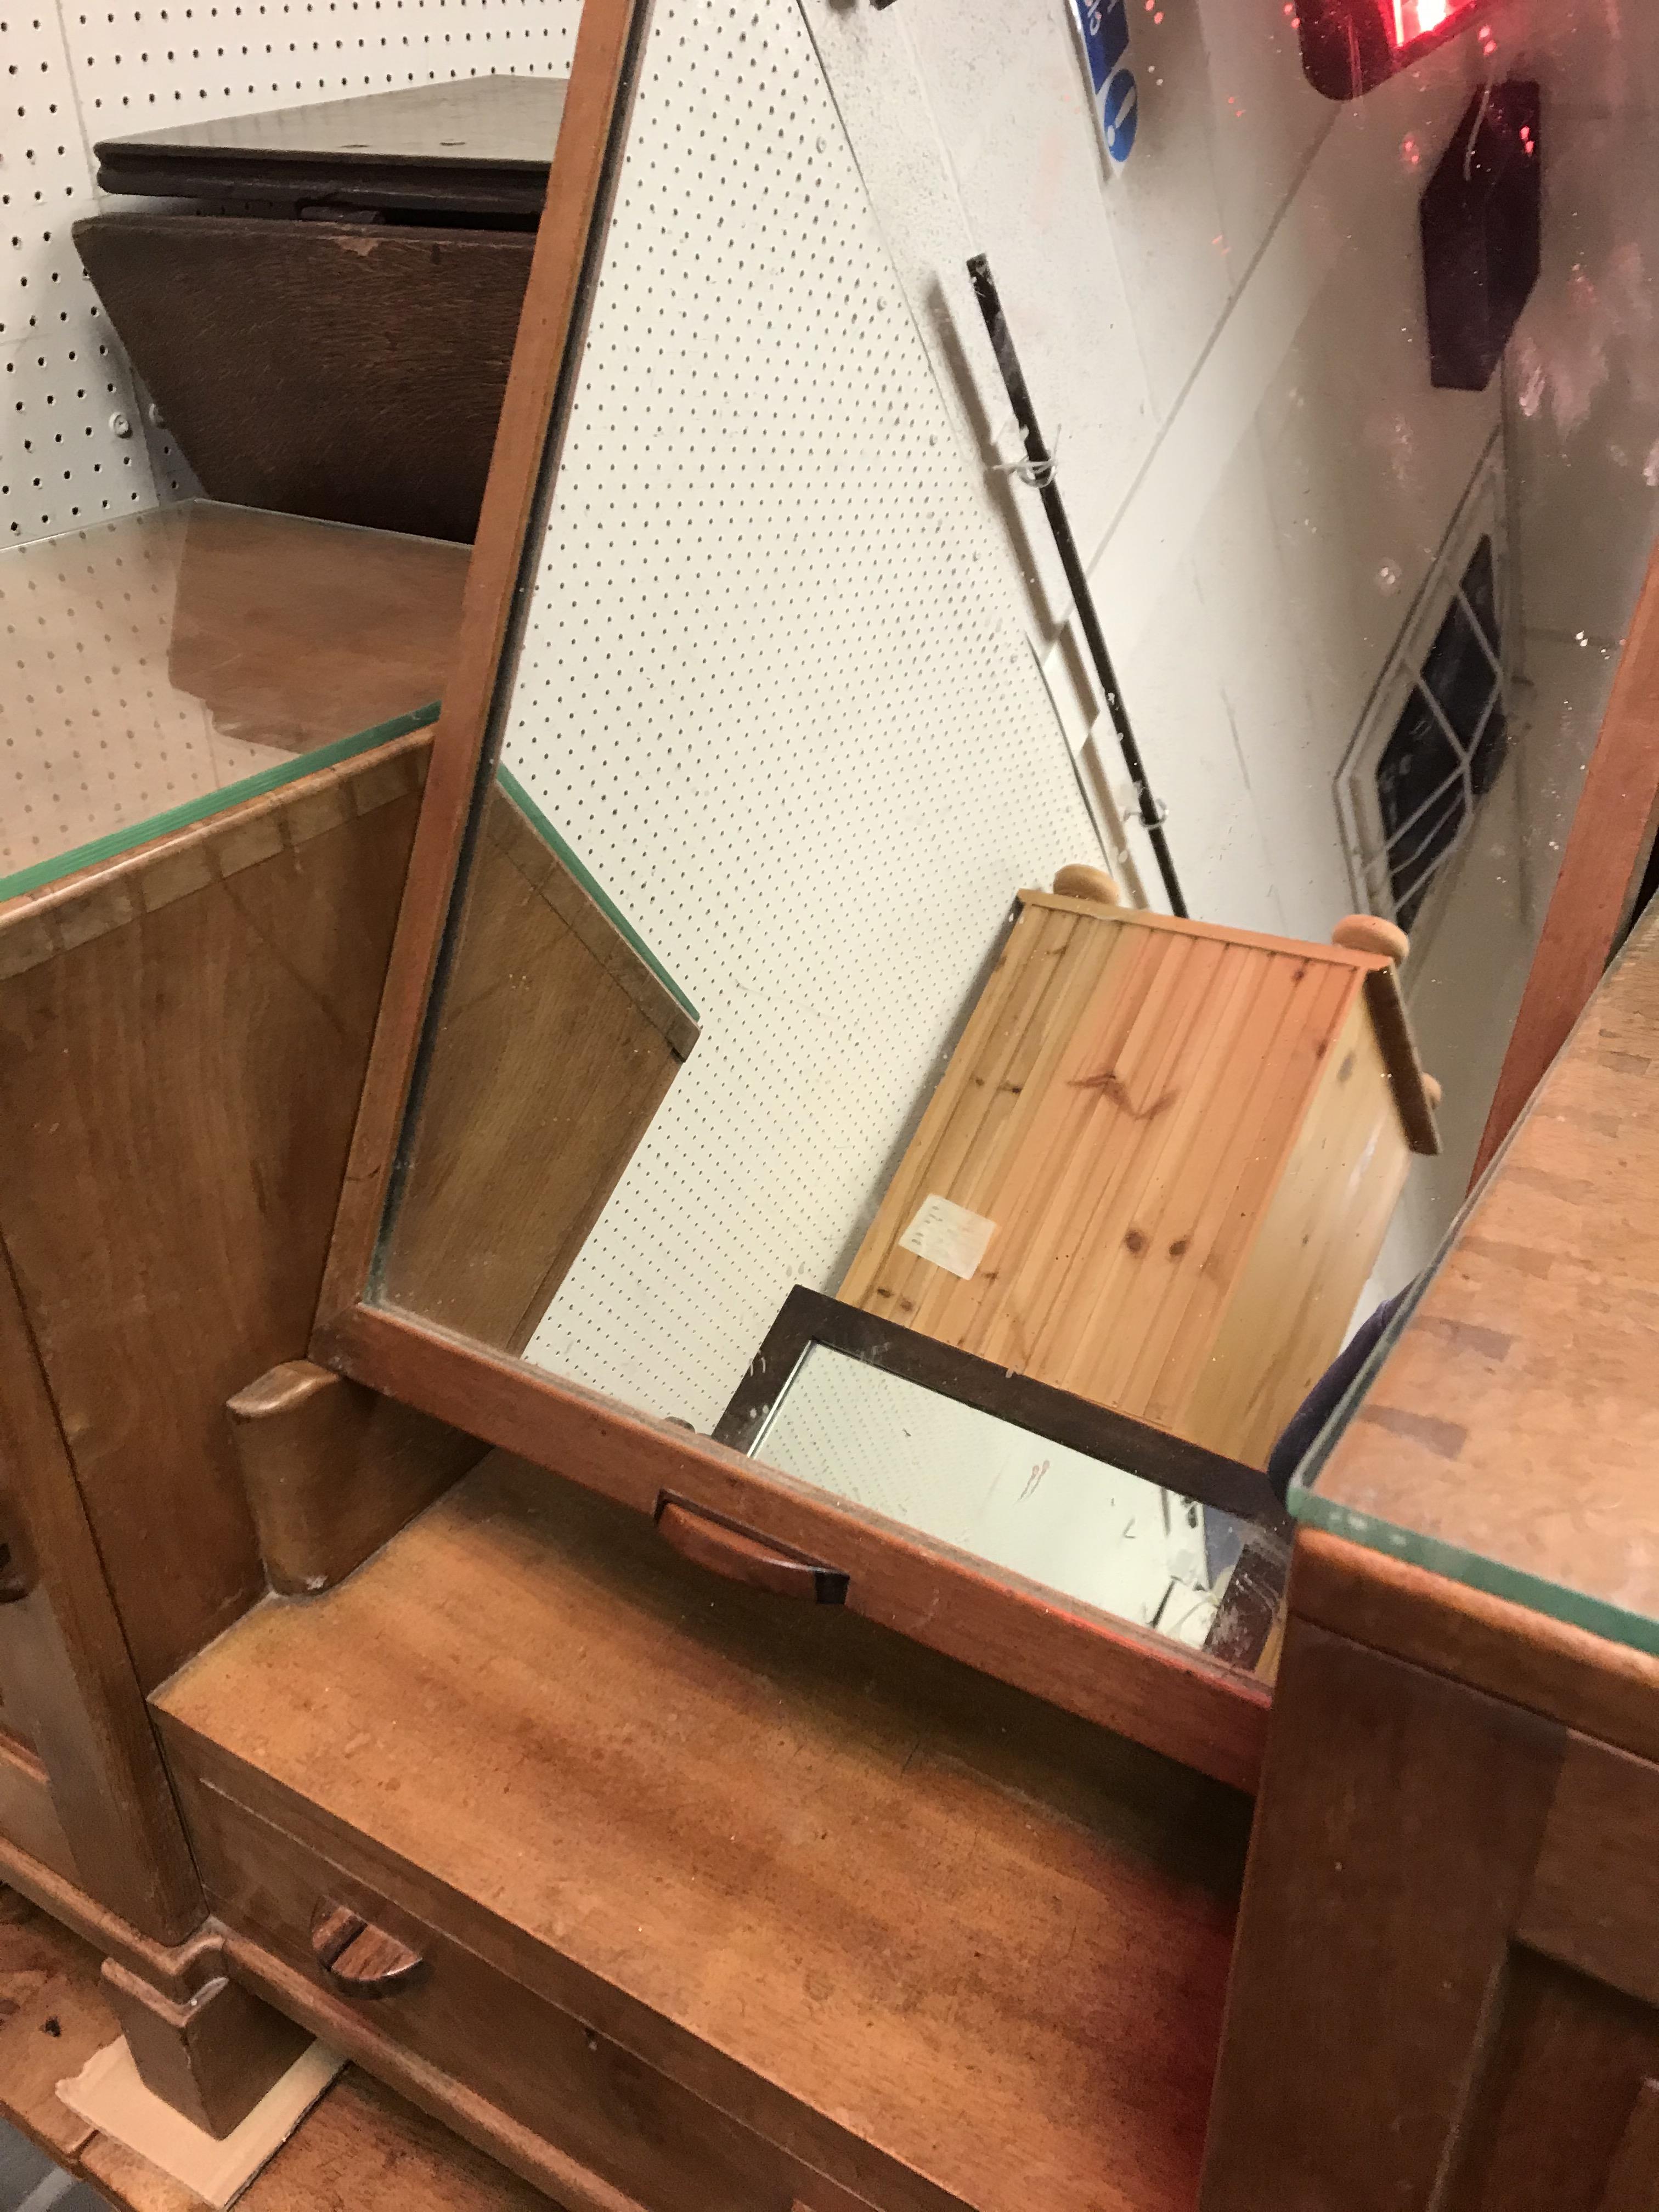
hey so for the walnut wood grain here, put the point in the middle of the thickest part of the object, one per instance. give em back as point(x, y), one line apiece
point(212, 2055)
point(331, 1469)
point(360, 1959)
point(556, 1044)
point(1566, 1674)
point(1400, 1815)
point(1607, 847)
point(1208, 1715)
point(743, 1557)
point(811, 1873)
point(179, 1073)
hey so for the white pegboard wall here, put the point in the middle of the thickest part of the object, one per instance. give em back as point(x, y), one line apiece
point(73, 77)
point(777, 694)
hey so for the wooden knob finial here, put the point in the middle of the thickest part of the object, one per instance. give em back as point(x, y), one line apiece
point(1079, 882)
point(1369, 933)
point(1432, 1091)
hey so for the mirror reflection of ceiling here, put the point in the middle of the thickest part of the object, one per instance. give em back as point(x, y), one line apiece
point(793, 687)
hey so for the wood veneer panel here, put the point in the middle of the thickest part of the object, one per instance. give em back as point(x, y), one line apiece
point(847, 1877)
point(178, 1081)
point(1401, 1818)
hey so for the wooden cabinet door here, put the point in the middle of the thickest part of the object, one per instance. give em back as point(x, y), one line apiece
point(78, 1756)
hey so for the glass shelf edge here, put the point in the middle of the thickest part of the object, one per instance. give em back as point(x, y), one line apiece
point(40, 874)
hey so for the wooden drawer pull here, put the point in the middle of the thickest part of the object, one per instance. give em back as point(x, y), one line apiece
point(358, 1958)
point(743, 1557)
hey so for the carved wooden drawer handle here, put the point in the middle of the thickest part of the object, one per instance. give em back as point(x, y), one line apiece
point(359, 1959)
point(743, 1557)
point(13, 1582)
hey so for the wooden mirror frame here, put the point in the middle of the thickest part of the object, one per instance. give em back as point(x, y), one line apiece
point(1207, 1715)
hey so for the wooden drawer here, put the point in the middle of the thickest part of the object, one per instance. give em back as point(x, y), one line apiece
point(626, 2124)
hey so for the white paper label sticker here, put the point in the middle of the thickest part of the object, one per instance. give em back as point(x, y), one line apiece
point(948, 1236)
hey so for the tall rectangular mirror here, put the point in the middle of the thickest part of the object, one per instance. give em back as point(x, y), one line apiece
point(785, 911)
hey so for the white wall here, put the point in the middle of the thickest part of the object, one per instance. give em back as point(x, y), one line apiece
point(1228, 334)
point(777, 694)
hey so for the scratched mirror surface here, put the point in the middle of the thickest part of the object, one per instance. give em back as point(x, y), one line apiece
point(958, 917)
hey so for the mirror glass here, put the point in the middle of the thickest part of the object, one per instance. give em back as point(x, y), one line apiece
point(1040, 1509)
point(1357, 428)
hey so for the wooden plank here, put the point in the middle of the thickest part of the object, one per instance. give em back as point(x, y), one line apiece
point(1633, 2178)
point(624, 2133)
point(301, 363)
point(981, 1100)
point(837, 1871)
point(1102, 1070)
point(1596, 1885)
point(1188, 1280)
point(1607, 847)
point(1251, 1168)
point(1097, 1318)
point(1607, 1690)
point(1196, 1710)
point(1112, 975)
point(28, 1818)
point(535, 414)
point(1551, 2096)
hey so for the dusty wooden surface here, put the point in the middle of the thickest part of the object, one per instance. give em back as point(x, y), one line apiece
point(1517, 1418)
point(361, 2149)
point(844, 1889)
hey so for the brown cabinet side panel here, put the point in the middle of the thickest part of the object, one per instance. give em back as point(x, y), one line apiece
point(179, 1093)
point(1397, 1832)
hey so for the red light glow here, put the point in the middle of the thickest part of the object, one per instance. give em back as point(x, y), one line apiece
point(1419, 19)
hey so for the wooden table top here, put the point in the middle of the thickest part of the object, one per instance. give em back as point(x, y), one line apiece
point(360, 2150)
point(988, 1940)
point(1510, 1439)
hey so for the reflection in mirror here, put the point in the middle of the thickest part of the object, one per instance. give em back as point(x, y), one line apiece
point(798, 682)
point(1032, 1481)
point(219, 654)
point(563, 1032)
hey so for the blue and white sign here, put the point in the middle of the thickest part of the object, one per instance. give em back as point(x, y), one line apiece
point(1103, 26)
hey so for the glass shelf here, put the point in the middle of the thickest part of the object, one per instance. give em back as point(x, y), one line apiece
point(1503, 1432)
point(165, 666)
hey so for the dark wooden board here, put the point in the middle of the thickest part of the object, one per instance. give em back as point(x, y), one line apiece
point(480, 144)
point(332, 369)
